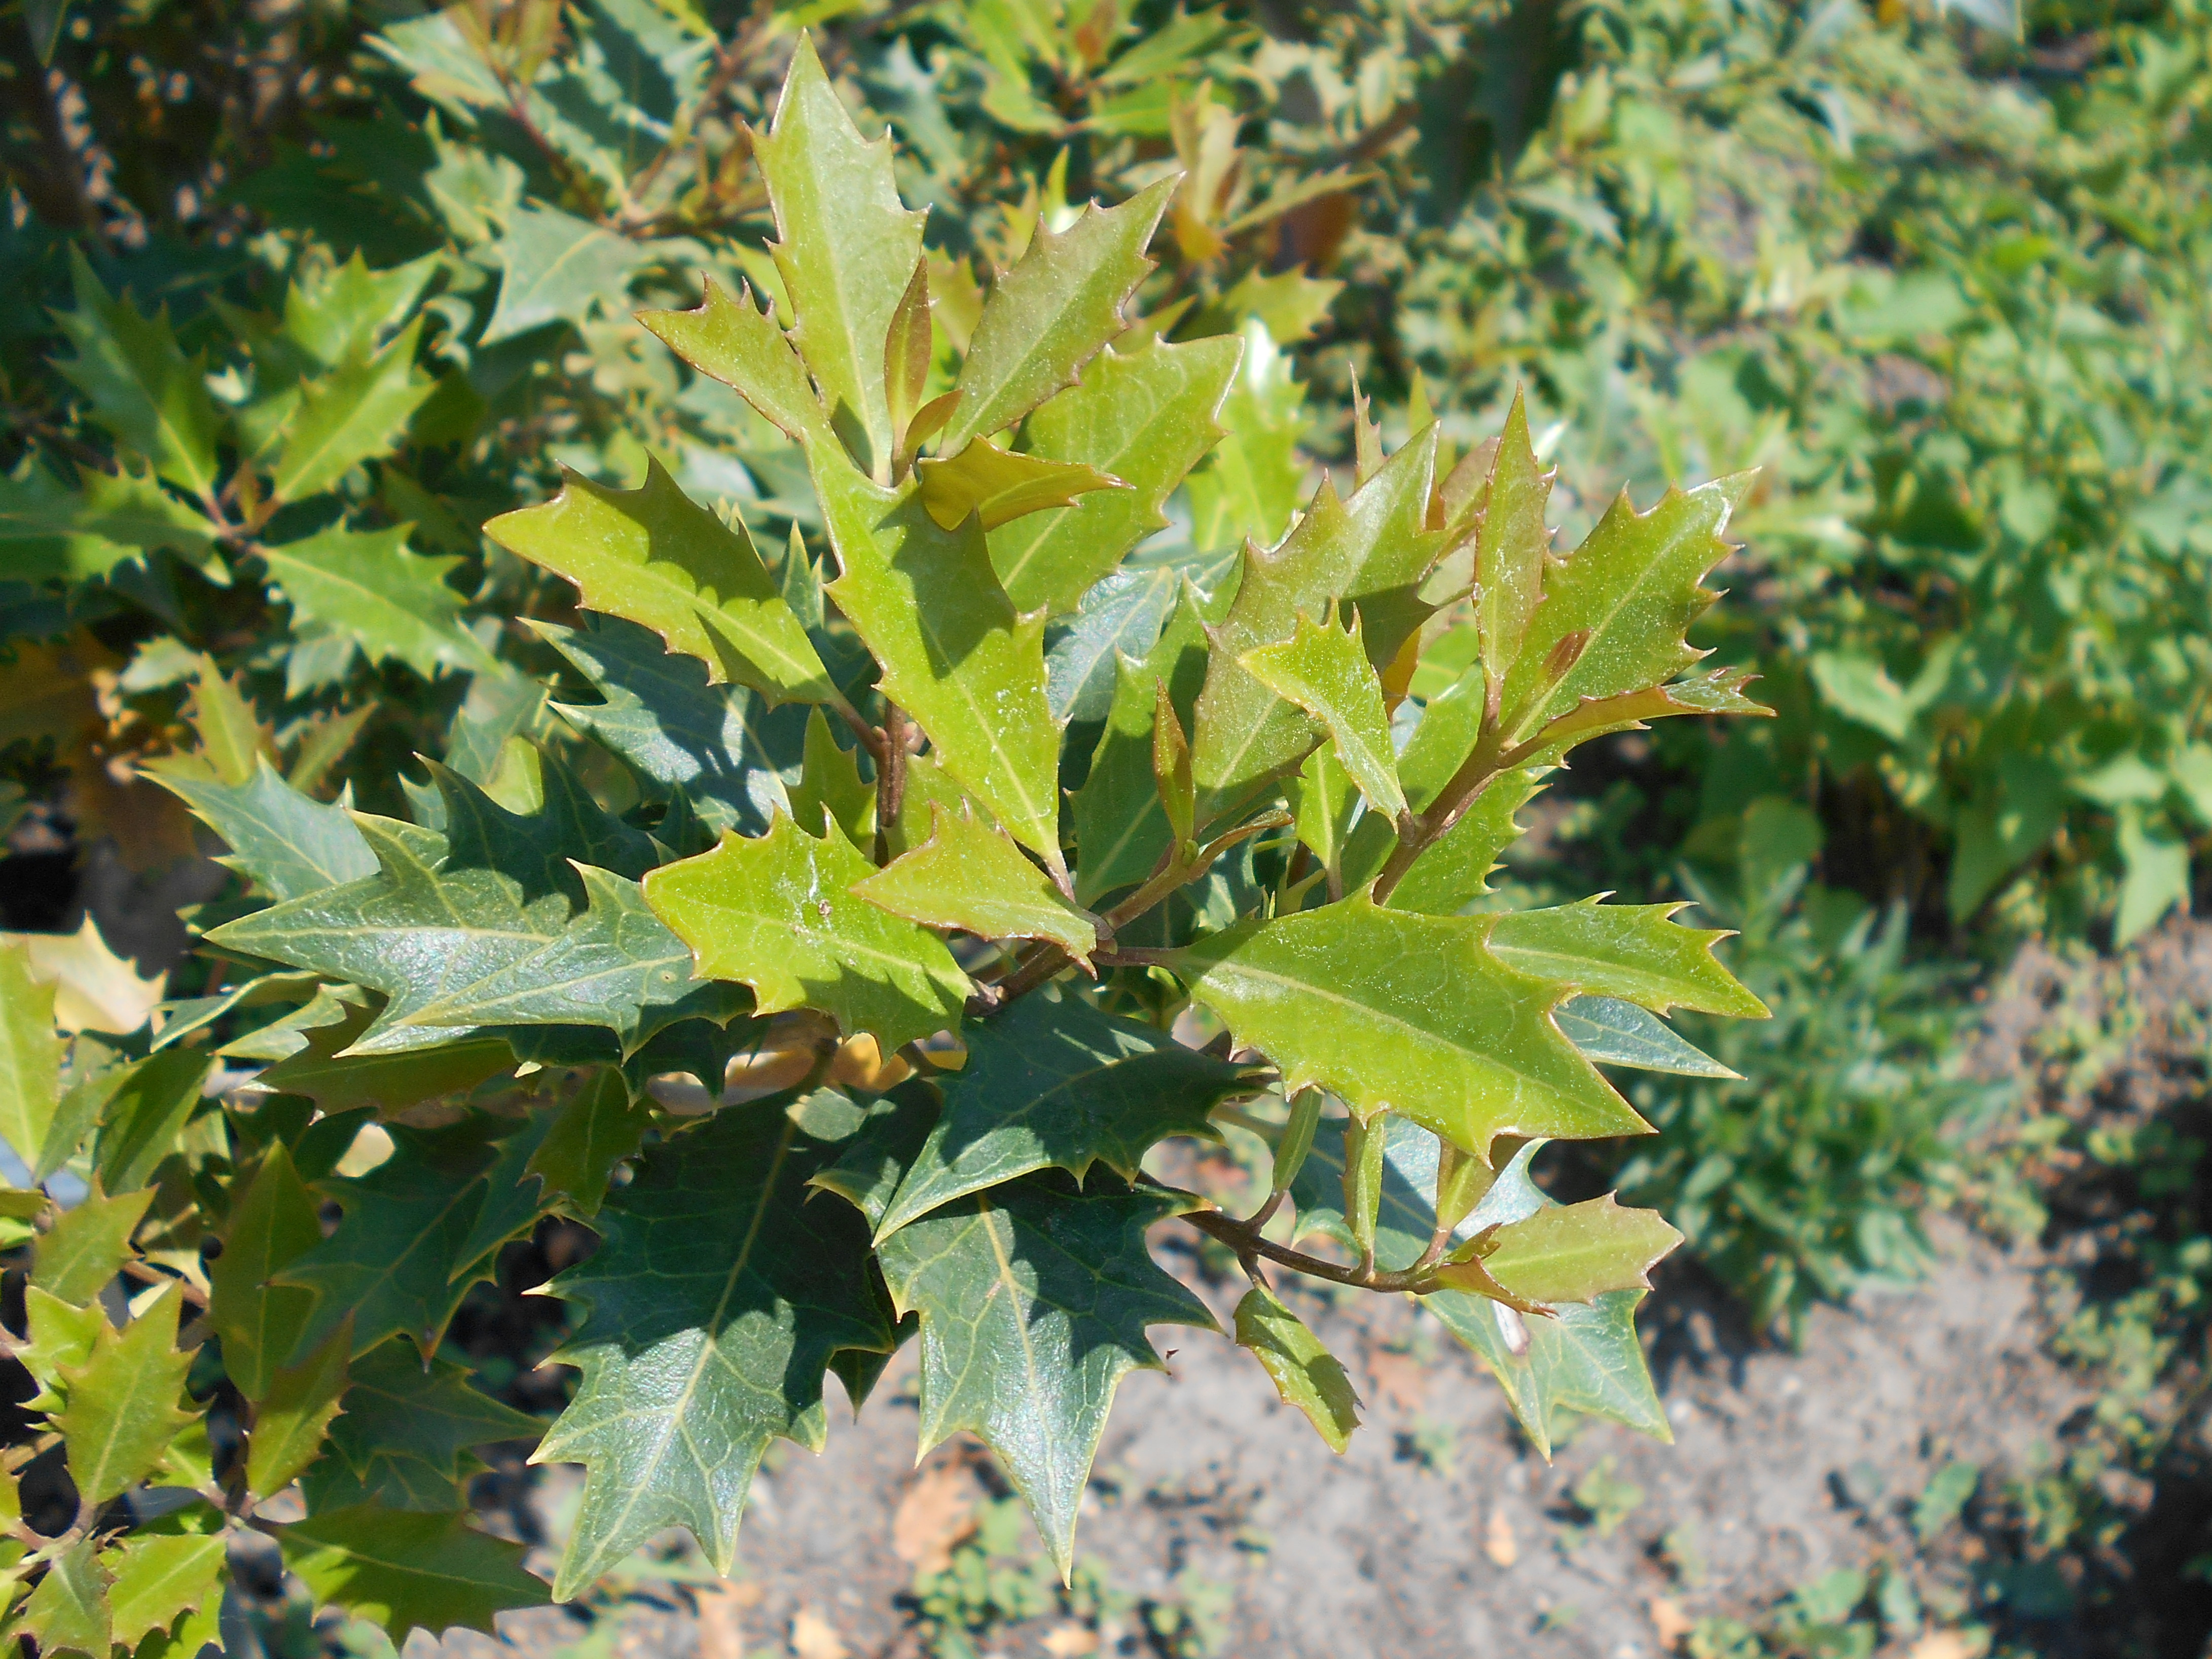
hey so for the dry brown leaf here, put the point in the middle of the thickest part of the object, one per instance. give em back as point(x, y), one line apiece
point(1402, 1378)
point(1070, 1641)
point(721, 1630)
point(95, 989)
point(937, 1512)
point(1951, 1645)
point(860, 1065)
point(1669, 1622)
point(813, 1636)
point(1498, 1541)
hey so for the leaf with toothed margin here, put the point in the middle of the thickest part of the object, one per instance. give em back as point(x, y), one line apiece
point(1034, 1298)
point(967, 877)
point(731, 341)
point(1053, 1083)
point(955, 655)
point(1577, 1252)
point(778, 912)
point(1389, 1008)
point(710, 1314)
point(287, 843)
point(1631, 951)
point(1616, 1033)
point(1512, 546)
point(1000, 485)
point(846, 247)
point(119, 1410)
point(655, 556)
point(402, 1572)
point(1146, 418)
point(403, 1440)
point(1370, 554)
point(1304, 1373)
point(1052, 313)
point(733, 757)
point(492, 923)
point(1631, 590)
point(1324, 670)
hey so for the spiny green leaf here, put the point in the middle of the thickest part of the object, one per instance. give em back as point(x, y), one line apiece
point(354, 414)
point(1631, 952)
point(599, 1126)
point(969, 877)
point(954, 653)
point(1387, 1008)
point(1034, 1298)
point(30, 1055)
point(143, 1113)
point(1629, 591)
point(1512, 548)
point(778, 914)
point(999, 485)
point(121, 1404)
point(846, 246)
point(514, 1200)
point(711, 1313)
point(1324, 670)
point(1252, 484)
point(1616, 1033)
point(1053, 1083)
point(159, 1578)
point(287, 843)
point(338, 313)
point(276, 1222)
point(403, 1438)
point(365, 586)
point(830, 789)
point(50, 532)
point(1720, 692)
point(142, 387)
point(87, 1245)
point(394, 1264)
point(68, 1611)
point(405, 1571)
point(1120, 826)
point(1146, 418)
point(1577, 1252)
point(733, 754)
point(557, 266)
point(289, 1420)
point(872, 1161)
point(1305, 1373)
point(1052, 313)
point(1323, 801)
point(62, 1336)
point(1584, 1359)
point(1370, 554)
point(656, 557)
point(730, 341)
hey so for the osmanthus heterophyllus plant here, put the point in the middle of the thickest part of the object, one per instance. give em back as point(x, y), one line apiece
point(845, 828)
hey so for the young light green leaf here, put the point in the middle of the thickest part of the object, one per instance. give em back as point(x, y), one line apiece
point(143, 1114)
point(1631, 952)
point(87, 1245)
point(62, 1336)
point(999, 485)
point(120, 1410)
point(402, 1439)
point(403, 1571)
point(830, 789)
point(30, 1055)
point(1370, 554)
point(557, 267)
point(356, 413)
point(160, 1577)
point(1578, 1252)
point(1616, 1033)
point(1053, 1082)
point(954, 654)
point(1512, 548)
point(1324, 670)
point(778, 914)
point(288, 844)
point(1034, 1298)
point(1384, 1008)
point(728, 340)
point(969, 877)
point(846, 246)
point(141, 386)
point(365, 586)
point(711, 1313)
point(1171, 767)
point(1629, 592)
point(289, 1421)
point(907, 352)
point(1146, 419)
point(655, 556)
point(1720, 692)
point(1324, 802)
point(1052, 313)
point(275, 1223)
point(1305, 1373)
point(50, 532)
point(68, 1611)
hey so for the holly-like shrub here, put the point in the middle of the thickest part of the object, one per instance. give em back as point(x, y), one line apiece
point(953, 933)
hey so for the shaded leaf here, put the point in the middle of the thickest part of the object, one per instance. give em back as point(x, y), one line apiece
point(1034, 1300)
point(285, 843)
point(120, 1409)
point(557, 267)
point(365, 586)
point(356, 413)
point(142, 387)
point(402, 1440)
point(145, 1110)
point(289, 1421)
point(599, 1127)
point(1615, 1033)
point(778, 914)
point(401, 1571)
point(275, 1223)
point(68, 1610)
